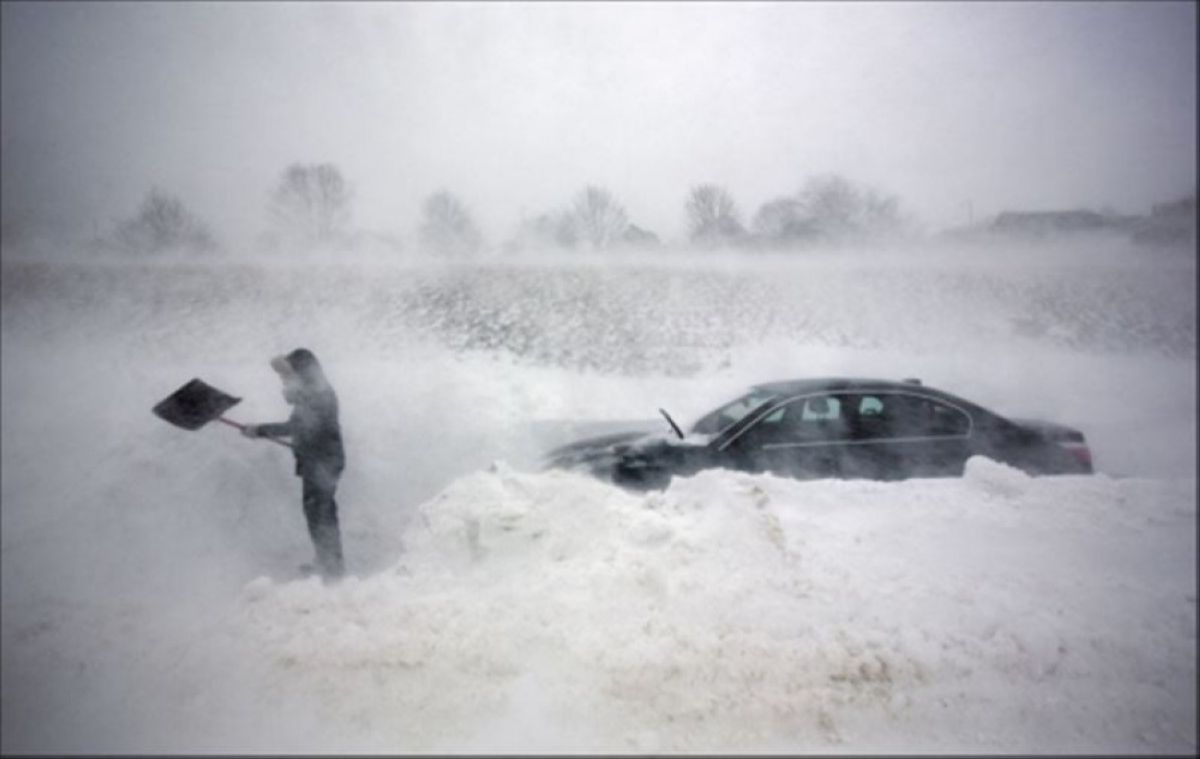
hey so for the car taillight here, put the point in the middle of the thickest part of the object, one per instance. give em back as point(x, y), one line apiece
point(1080, 451)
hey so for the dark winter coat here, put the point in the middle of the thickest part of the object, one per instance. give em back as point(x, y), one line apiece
point(313, 425)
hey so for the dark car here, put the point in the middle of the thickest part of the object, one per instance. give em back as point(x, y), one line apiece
point(833, 427)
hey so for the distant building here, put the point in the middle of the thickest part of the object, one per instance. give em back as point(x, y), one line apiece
point(1039, 223)
point(1179, 209)
point(1169, 224)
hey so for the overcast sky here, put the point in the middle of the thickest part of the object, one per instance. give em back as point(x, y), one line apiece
point(952, 107)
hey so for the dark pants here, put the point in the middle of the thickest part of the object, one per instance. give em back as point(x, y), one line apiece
point(321, 512)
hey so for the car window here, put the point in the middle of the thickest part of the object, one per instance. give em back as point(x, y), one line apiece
point(869, 405)
point(902, 415)
point(947, 420)
point(803, 420)
point(821, 408)
point(732, 412)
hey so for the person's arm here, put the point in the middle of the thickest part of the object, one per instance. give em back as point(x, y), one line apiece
point(275, 429)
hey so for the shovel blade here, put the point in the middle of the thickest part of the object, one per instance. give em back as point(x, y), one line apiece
point(194, 405)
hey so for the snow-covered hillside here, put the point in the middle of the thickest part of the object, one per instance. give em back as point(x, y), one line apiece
point(149, 594)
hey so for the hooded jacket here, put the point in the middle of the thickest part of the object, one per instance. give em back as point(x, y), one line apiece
point(313, 425)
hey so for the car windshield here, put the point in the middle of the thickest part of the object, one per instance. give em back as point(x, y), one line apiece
point(714, 422)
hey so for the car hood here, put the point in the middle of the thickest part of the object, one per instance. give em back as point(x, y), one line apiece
point(608, 448)
point(600, 442)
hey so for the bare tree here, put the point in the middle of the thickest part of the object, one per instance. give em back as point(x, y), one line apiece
point(713, 219)
point(838, 209)
point(162, 223)
point(774, 217)
point(832, 205)
point(828, 208)
point(594, 219)
point(599, 221)
point(448, 227)
point(311, 204)
point(782, 220)
point(548, 230)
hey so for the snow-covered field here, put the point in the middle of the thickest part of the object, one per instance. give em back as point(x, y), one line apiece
point(150, 602)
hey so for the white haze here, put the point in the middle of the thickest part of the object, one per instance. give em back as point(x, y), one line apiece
point(150, 598)
point(962, 110)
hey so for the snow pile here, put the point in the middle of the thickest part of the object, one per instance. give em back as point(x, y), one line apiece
point(550, 612)
point(511, 579)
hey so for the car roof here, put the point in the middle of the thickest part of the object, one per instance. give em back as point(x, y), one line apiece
point(853, 384)
point(819, 384)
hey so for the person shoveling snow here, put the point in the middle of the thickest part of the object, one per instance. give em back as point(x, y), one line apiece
point(317, 443)
point(314, 432)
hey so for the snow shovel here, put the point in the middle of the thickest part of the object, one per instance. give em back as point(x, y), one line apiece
point(196, 404)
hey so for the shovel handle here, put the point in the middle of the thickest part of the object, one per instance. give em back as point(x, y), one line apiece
point(232, 423)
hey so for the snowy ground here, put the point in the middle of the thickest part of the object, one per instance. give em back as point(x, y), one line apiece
point(149, 598)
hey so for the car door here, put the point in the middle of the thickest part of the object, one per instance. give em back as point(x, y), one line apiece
point(896, 435)
point(798, 437)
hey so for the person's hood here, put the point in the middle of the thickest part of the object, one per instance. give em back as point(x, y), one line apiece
point(283, 367)
point(299, 366)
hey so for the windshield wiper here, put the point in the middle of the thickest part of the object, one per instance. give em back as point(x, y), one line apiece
point(671, 422)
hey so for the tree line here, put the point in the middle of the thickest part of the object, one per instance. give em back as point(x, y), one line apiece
point(310, 207)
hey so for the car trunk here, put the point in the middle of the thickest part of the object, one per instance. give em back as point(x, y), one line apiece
point(1067, 438)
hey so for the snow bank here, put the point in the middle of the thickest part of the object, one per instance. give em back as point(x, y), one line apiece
point(548, 612)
